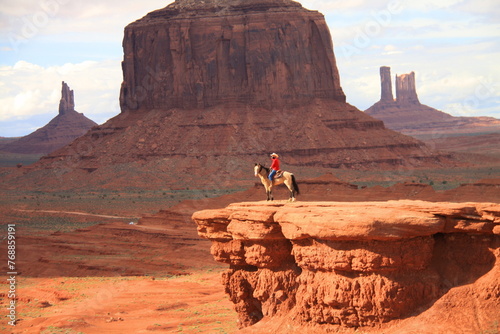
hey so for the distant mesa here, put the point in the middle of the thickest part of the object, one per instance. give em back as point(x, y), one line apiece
point(407, 115)
point(60, 131)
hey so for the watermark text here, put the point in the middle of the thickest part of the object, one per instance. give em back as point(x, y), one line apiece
point(11, 274)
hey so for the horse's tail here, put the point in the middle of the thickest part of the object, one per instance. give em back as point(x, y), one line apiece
point(295, 186)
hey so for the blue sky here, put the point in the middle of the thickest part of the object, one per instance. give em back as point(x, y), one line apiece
point(453, 46)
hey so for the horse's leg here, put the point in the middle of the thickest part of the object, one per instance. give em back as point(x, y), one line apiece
point(292, 192)
point(270, 193)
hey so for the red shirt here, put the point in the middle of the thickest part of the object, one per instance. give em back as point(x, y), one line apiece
point(276, 164)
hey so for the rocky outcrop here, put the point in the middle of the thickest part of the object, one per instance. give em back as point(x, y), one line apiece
point(331, 265)
point(406, 92)
point(407, 115)
point(386, 84)
point(60, 131)
point(67, 102)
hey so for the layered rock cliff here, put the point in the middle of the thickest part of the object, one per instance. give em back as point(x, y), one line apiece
point(198, 54)
point(60, 131)
point(407, 115)
point(329, 266)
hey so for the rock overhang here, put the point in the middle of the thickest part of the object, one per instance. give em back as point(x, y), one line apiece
point(392, 220)
point(325, 264)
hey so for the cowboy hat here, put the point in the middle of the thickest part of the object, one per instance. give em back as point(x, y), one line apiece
point(274, 155)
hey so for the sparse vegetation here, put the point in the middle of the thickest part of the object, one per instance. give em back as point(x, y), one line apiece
point(59, 330)
point(108, 202)
point(49, 223)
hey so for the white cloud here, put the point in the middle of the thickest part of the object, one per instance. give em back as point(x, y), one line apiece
point(431, 5)
point(27, 19)
point(74, 9)
point(488, 7)
point(391, 50)
point(350, 7)
point(29, 89)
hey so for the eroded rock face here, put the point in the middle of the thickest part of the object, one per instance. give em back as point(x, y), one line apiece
point(406, 92)
point(198, 54)
point(386, 84)
point(67, 102)
point(349, 264)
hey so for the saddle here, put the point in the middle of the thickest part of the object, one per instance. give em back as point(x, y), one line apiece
point(278, 174)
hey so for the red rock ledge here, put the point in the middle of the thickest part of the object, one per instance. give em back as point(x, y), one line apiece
point(335, 265)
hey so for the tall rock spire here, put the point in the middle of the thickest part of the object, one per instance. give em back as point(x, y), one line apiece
point(386, 84)
point(60, 131)
point(406, 92)
point(67, 102)
point(407, 115)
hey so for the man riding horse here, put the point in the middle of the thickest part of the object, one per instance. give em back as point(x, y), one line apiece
point(268, 179)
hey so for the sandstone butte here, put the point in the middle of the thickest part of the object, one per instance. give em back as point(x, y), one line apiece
point(211, 87)
point(393, 267)
point(406, 114)
point(60, 131)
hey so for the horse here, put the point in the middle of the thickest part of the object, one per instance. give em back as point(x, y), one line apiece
point(286, 177)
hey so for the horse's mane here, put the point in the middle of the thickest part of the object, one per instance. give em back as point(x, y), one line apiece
point(267, 169)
